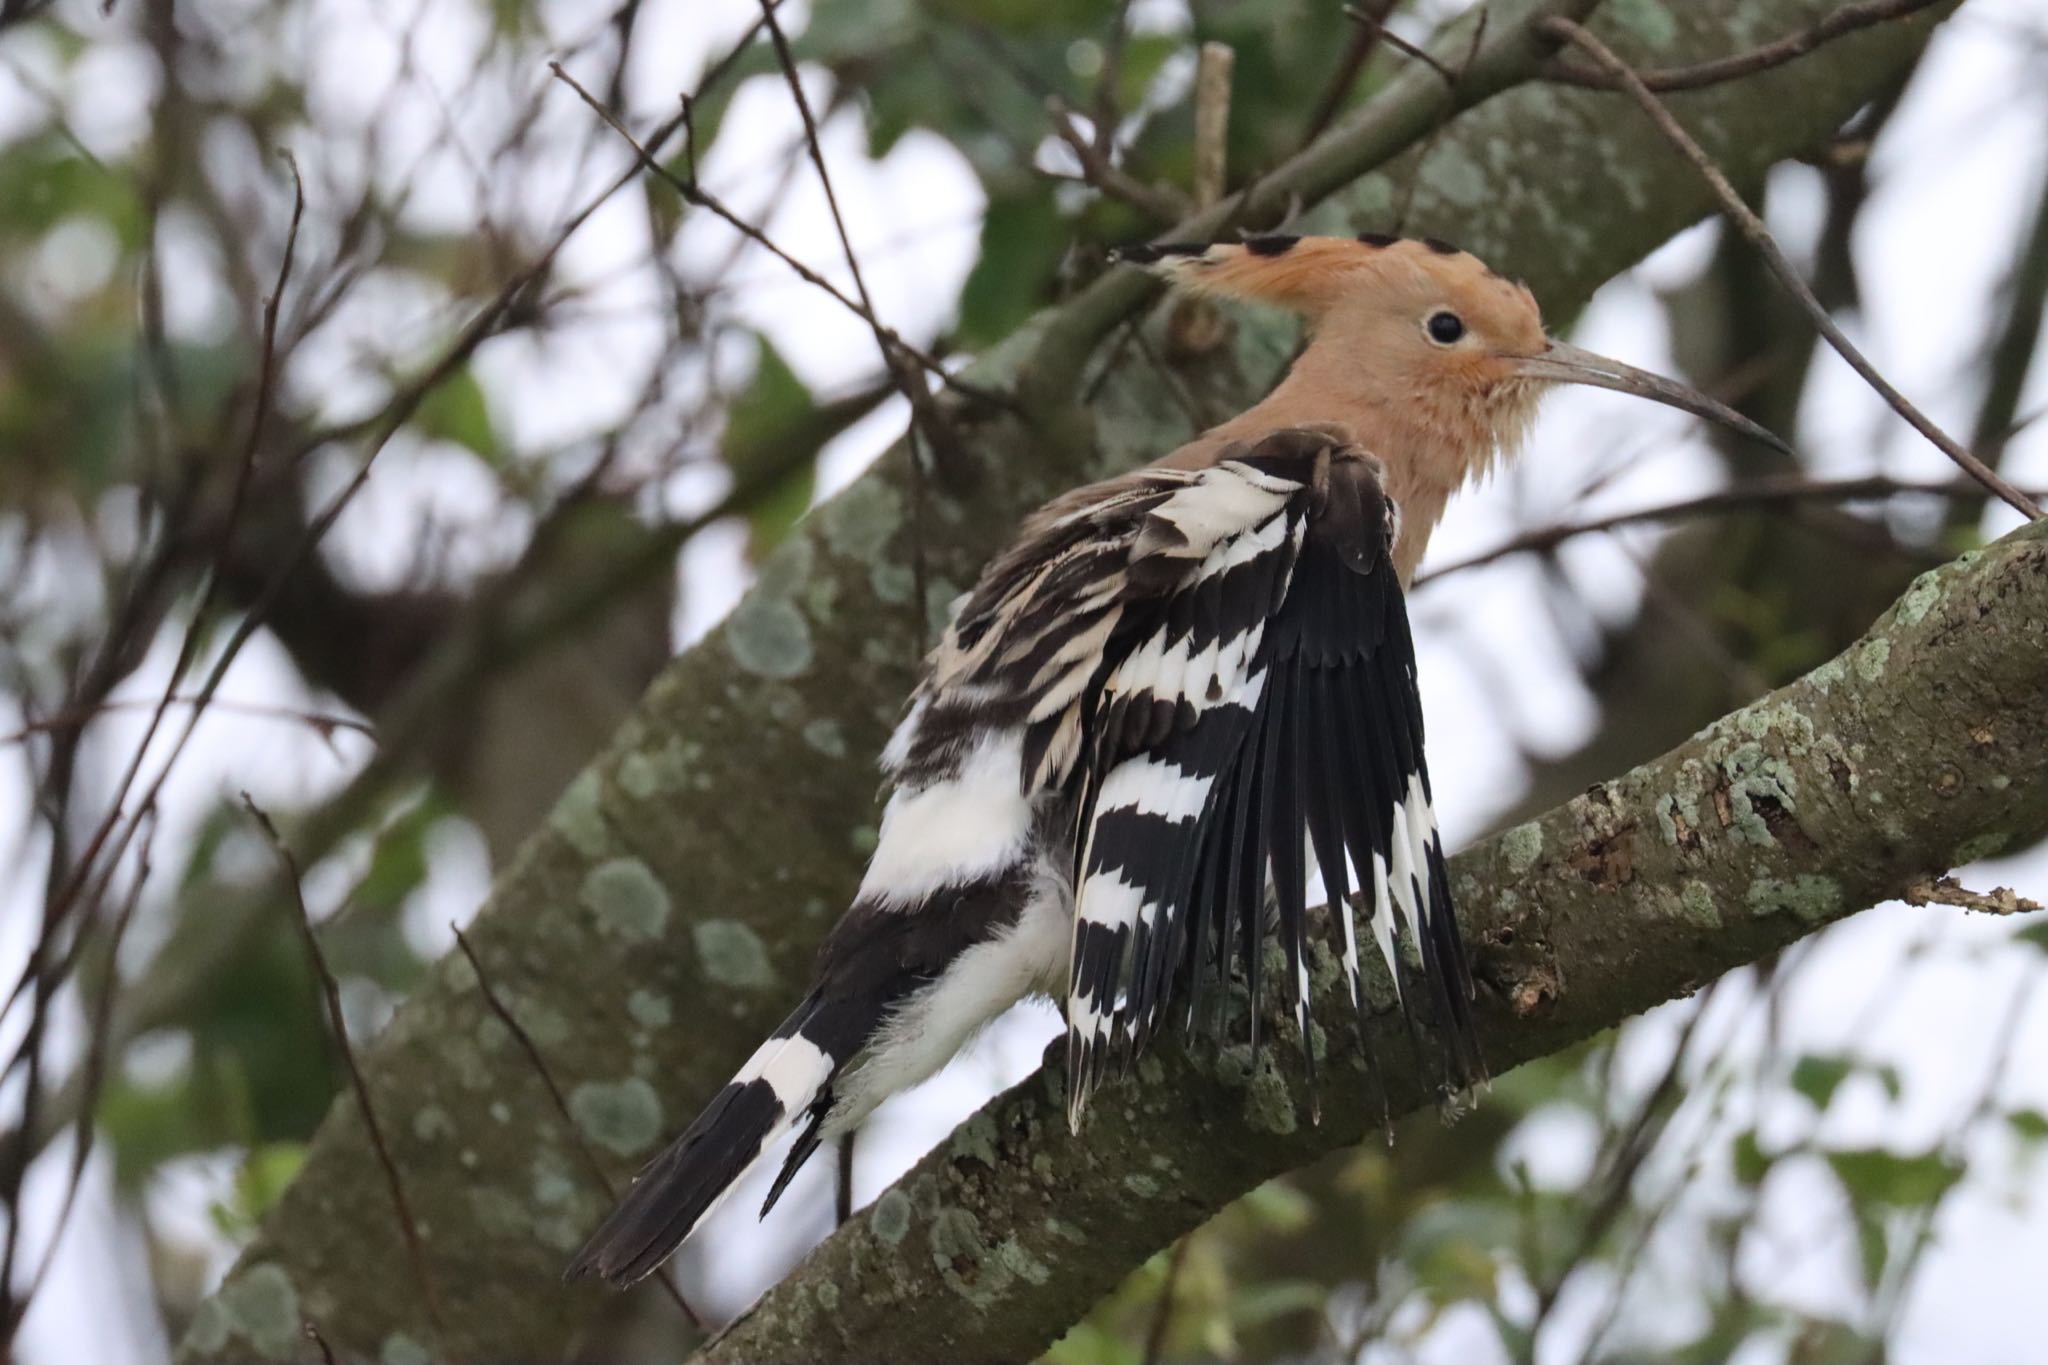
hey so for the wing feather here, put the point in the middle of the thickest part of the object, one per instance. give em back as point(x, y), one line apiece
point(1213, 670)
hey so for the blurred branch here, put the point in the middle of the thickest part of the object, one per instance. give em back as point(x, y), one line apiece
point(1848, 19)
point(1759, 236)
point(1769, 491)
point(2012, 351)
point(1634, 893)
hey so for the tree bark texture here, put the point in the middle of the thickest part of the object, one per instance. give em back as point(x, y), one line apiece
point(664, 918)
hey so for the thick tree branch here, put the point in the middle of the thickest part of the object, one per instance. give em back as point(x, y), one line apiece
point(665, 917)
point(1923, 746)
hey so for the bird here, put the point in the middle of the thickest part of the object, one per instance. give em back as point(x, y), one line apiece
point(1177, 696)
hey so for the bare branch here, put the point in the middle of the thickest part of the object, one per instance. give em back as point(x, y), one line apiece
point(1848, 19)
point(1999, 900)
point(1759, 236)
point(330, 991)
point(1773, 491)
point(1098, 170)
point(555, 1097)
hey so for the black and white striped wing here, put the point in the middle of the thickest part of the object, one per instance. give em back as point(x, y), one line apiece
point(1259, 721)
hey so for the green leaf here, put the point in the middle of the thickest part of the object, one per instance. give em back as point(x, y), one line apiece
point(2029, 1125)
point(1752, 1163)
point(768, 419)
point(455, 410)
point(1023, 239)
point(2035, 933)
point(1874, 1176)
point(1818, 1076)
point(261, 1178)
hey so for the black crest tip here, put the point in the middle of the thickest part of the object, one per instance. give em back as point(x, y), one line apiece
point(1270, 243)
point(1151, 253)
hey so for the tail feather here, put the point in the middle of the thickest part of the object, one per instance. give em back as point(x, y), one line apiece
point(674, 1192)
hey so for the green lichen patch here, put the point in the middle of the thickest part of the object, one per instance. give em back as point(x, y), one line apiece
point(1648, 21)
point(825, 736)
point(768, 636)
point(889, 1219)
point(1872, 657)
point(1920, 598)
point(1142, 1185)
point(977, 1272)
point(400, 1349)
point(1986, 845)
point(893, 583)
point(650, 1009)
point(1828, 674)
point(1810, 898)
point(860, 522)
point(627, 897)
point(621, 1116)
point(976, 1138)
point(431, 1124)
point(1757, 782)
point(1268, 1103)
point(1522, 846)
point(579, 816)
point(732, 955)
point(1696, 903)
point(262, 1308)
point(658, 771)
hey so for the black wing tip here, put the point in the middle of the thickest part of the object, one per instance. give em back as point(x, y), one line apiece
point(618, 1259)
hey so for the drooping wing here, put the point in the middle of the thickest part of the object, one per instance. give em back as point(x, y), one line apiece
point(1260, 720)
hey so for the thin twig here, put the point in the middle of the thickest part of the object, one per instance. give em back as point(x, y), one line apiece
point(1162, 1311)
point(1999, 900)
point(1371, 17)
point(1365, 19)
point(95, 1060)
point(72, 718)
point(1106, 115)
point(1849, 18)
point(693, 192)
point(923, 416)
point(1791, 488)
point(1099, 171)
point(1760, 237)
point(330, 991)
point(1456, 79)
point(561, 1104)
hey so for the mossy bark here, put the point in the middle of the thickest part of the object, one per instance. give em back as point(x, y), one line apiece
point(1921, 747)
point(664, 917)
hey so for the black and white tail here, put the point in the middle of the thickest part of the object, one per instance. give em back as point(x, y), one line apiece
point(788, 1077)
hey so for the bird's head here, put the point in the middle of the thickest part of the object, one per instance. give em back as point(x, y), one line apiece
point(1420, 328)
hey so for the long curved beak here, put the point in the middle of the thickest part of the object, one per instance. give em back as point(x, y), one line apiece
point(1564, 364)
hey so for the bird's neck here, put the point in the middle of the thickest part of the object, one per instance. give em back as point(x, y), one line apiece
point(1428, 455)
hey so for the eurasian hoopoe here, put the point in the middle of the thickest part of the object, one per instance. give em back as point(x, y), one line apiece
point(1179, 690)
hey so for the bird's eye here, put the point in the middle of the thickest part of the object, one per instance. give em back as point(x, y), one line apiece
point(1445, 328)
